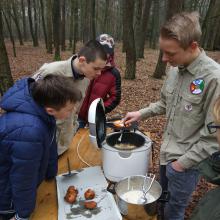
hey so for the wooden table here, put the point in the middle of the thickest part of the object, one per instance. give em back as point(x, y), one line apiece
point(46, 205)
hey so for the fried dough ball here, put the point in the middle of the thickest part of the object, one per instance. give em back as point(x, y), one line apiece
point(71, 194)
point(72, 189)
point(118, 124)
point(70, 197)
point(90, 205)
point(89, 194)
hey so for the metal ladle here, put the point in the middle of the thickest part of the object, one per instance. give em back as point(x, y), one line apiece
point(144, 189)
point(120, 137)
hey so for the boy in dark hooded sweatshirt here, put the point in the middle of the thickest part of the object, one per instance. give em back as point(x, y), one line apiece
point(28, 150)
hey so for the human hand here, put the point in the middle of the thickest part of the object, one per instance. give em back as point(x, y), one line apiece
point(177, 166)
point(13, 218)
point(131, 117)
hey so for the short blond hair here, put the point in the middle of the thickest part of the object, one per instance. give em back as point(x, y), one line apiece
point(216, 110)
point(183, 27)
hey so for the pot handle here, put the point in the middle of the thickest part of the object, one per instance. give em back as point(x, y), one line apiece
point(164, 197)
point(111, 188)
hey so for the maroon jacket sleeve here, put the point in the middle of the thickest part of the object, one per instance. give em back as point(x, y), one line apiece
point(108, 87)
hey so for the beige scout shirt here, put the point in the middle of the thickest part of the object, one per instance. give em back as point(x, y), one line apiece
point(188, 112)
point(65, 128)
point(61, 68)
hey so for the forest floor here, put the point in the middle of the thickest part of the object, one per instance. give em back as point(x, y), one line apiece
point(135, 93)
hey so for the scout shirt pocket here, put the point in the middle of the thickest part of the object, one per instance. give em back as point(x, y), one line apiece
point(189, 117)
point(191, 106)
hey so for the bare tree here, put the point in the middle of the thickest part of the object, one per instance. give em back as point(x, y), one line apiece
point(105, 27)
point(56, 28)
point(71, 3)
point(137, 23)
point(6, 80)
point(154, 25)
point(49, 26)
point(144, 21)
point(8, 24)
point(76, 21)
point(172, 8)
point(24, 20)
point(88, 20)
point(43, 22)
point(33, 33)
point(211, 26)
point(15, 18)
point(128, 12)
point(63, 24)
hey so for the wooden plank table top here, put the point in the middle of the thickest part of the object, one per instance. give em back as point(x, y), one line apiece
point(46, 205)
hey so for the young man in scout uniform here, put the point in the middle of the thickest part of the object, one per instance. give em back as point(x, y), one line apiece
point(187, 96)
point(87, 64)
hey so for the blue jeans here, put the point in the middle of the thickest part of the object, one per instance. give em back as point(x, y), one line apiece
point(180, 185)
point(81, 123)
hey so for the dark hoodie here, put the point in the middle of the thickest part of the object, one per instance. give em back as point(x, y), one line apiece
point(28, 151)
point(106, 86)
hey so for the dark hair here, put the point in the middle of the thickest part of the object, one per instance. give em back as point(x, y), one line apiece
point(92, 50)
point(55, 91)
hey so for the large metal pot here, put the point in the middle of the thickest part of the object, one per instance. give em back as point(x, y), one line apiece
point(129, 196)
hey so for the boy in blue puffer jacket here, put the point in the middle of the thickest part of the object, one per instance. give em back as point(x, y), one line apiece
point(28, 150)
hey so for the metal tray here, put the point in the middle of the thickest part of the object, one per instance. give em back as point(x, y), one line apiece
point(92, 178)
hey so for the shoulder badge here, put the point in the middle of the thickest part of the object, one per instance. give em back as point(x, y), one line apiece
point(197, 86)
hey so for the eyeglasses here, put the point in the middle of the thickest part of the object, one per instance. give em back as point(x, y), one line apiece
point(212, 128)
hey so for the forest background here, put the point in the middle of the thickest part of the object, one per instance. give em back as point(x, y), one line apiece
point(34, 32)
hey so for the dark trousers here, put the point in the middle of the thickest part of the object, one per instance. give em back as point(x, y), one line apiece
point(6, 216)
point(180, 185)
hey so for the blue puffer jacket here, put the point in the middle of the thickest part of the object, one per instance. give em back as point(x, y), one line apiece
point(28, 151)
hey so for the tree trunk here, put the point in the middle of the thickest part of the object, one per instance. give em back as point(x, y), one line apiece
point(6, 80)
point(217, 39)
point(24, 20)
point(63, 24)
point(71, 3)
point(144, 22)
point(10, 33)
point(16, 21)
point(155, 25)
point(88, 20)
point(124, 33)
point(56, 28)
point(210, 25)
point(172, 8)
point(76, 22)
point(105, 23)
point(35, 22)
point(137, 24)
point(160, 67)
point(128, 12)
point(92, 19)
point(35, 43)
point(49, 26)
point(43, 22)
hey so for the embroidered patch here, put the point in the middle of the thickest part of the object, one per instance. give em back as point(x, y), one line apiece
point(188, 107)
point(197, 86)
